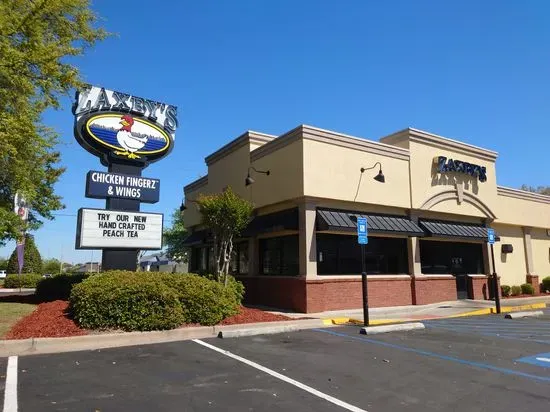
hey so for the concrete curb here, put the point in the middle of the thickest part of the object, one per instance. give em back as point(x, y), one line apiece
point(518, 315)
point(36, 346)
point(400, 327)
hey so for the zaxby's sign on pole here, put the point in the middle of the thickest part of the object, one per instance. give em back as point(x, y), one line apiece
point(127, 133)
point(102, 185)
point(100, 228)
point(117, 126)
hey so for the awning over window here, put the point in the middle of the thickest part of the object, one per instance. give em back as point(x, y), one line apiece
point(196, 238)
point(273, 222)
point(329, 219)
point(437, 228)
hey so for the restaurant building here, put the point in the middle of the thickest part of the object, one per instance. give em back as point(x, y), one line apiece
point(428, 201)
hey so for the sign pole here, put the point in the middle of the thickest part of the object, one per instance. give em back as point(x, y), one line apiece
point(491, 238)
point(365, 288)
point(495, 280)
point(362, 239)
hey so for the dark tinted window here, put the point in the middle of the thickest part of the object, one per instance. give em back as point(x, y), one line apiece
point(341, 255)
point(451, 257)
point(279, 255)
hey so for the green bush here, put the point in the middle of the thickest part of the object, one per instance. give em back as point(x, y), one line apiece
point(516, 290)
point(206, 301)
point(149, 300)
point(26, 280)
point(546, 284)
point(527, 289)
point(58, 286)
point(505, 290)
point(125, 300)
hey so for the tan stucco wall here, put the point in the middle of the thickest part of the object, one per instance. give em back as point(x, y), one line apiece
point(285, 180)
point(191, 215)
point(332, 171)
point(540, 244)
point(426, 182)
point(231, 171)
point(523, 212)
point(511, 267)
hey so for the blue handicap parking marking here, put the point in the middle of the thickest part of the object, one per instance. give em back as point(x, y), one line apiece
point(542, 359)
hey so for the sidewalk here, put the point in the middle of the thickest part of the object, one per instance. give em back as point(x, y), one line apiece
point(396, 314)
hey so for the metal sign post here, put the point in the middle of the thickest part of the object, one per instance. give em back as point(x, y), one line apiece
point(491, 240)
point(362, 239)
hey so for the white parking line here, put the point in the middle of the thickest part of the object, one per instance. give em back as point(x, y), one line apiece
point(284, 378)
point(10, 391)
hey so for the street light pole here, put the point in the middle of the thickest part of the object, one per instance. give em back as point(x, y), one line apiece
point(364, 287)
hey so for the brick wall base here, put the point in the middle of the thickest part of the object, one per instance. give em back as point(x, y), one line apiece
point(334, 294)
point(433, 289)
point(478, 287)
point(534, 281)
point(318, 295)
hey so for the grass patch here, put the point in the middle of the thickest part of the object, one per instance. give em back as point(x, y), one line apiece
point(11, 312)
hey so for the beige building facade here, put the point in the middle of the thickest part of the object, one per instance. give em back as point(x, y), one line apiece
point(427, 221)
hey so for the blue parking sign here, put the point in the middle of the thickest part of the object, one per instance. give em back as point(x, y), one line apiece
point(362, 231)
point(491, 236)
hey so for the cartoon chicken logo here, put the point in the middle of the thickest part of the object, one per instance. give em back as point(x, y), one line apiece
point(130, 142)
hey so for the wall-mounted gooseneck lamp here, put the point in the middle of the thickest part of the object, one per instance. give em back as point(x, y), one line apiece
point(380, 176)
point(249, 180)
point(183, 207)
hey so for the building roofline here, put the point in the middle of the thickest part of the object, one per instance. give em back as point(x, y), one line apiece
point(522, 194)
point(307, 132)
point(196, 184)
point(421, 136)
point(247, 137)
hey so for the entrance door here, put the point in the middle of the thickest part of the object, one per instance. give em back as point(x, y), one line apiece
point(458, 271)
point(456, 258)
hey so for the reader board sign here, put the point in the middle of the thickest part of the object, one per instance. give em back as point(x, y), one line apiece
point(100, 229)
point(101, 185)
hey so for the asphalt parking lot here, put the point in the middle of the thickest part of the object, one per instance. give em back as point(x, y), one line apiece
point(483, 363)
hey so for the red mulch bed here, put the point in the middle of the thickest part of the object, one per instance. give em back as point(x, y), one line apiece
point(249, 315)
point(49, 320)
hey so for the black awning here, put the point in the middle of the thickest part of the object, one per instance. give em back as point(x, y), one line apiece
point(273, 222)
point(196, 238)
point(342, 221)
point(437, 228)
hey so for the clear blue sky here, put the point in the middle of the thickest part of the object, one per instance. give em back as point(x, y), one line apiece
point(476, 71)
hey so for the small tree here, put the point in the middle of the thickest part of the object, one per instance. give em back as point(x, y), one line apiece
point(32, 260)
point(174, 237)
point(225, 215)
point(52, 266)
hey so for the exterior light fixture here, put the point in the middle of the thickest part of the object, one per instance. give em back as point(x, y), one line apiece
point(249, 180)
point(182, 206)
point(380, 176)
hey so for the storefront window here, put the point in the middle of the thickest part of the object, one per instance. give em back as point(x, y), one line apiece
point(451, 257)
point(239, 259)
point(341, 255)
point(279, 255)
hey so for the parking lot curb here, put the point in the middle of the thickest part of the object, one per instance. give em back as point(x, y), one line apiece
point(518, 315)
point(236, 331)
point(507, 309)
point(36, 346)
point(399, 327)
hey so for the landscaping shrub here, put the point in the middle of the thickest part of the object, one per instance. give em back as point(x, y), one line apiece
point(527, 289)
point(32, 262)
point(26, 280)
point(58, 286)
point(152, 300)
point(206, 301)
point(516, 290)
point(546, 284)
point(505, 290)
point(125, 300)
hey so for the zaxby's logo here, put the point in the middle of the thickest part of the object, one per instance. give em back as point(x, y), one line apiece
point(444, 165)
point(114, 125)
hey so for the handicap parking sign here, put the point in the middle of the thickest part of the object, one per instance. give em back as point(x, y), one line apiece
point(362, 231)
point(491, 236)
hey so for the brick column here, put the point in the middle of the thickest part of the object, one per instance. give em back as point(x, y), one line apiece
point(307, 240)
point(531, 277)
